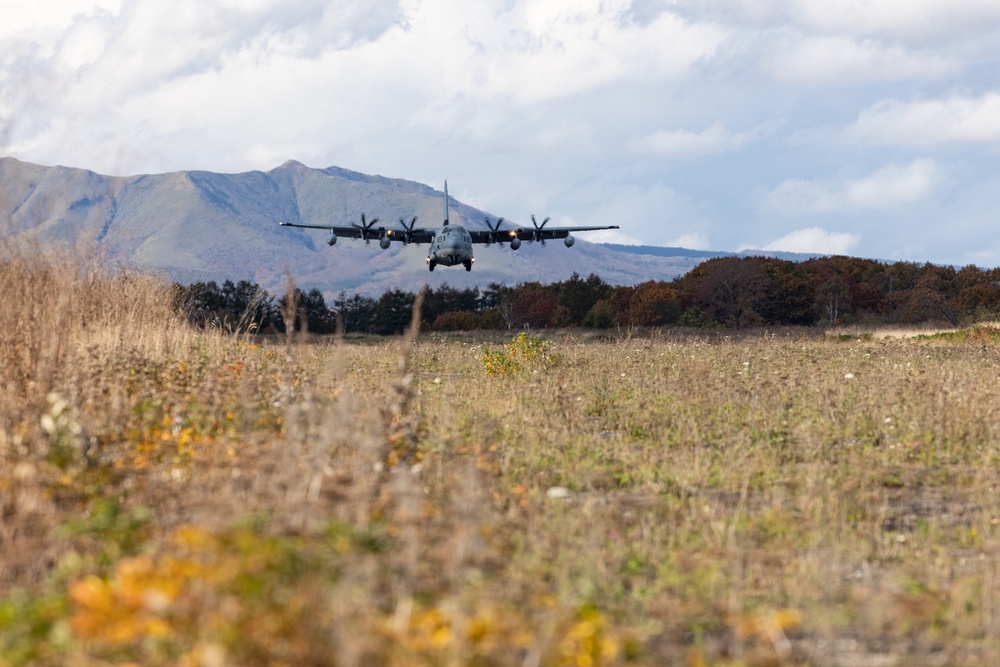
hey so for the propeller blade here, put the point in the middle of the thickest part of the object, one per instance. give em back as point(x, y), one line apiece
point(365, 227)
point(536, 236)
point(494, 230)
point(408, 229)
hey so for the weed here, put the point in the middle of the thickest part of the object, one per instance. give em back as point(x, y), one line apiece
point(174, 496)
point(523, 352)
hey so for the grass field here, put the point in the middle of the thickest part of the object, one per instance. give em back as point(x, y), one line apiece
point(176, 497)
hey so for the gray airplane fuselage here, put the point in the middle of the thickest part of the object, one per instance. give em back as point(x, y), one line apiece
point(452, 245)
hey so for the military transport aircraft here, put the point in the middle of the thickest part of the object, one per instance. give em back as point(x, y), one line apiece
point(451, 244)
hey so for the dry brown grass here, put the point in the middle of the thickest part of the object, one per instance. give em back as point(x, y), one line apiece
point(180, 497)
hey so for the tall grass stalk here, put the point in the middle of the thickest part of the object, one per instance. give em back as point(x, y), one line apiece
point(173, 496)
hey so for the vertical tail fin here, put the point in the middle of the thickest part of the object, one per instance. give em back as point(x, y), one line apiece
point(446, 203)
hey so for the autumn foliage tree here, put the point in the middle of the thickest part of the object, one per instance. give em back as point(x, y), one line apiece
point(654, 303)
point(730, 288)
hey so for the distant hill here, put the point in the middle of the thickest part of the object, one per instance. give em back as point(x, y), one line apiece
point(198, 225)
point(702, 255)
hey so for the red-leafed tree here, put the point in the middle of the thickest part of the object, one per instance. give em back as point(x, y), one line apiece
point(730, 289)
point(654, 303)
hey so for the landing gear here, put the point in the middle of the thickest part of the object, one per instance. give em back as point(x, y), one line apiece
point(431, 264)
point(468, 265)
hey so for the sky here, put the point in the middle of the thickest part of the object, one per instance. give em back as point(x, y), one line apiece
point(861, 127)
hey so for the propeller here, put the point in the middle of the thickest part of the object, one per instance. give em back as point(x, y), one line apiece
point(365, 228)
point(494, 236)
point(408, 234)
point(536, 236)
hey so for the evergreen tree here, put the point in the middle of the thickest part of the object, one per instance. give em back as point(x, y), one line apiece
point(393, 312)
point(357, 313)
point(578, 296)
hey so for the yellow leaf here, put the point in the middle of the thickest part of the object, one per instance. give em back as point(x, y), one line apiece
point(441, 637)
point(92, 592)
point(788, 619)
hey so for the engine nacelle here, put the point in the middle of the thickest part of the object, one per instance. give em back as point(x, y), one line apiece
point(384, 242)
point(569, 240)
point(332, 240)
point(515, 243)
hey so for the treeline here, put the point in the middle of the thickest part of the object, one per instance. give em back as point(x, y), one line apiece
point(723, 292)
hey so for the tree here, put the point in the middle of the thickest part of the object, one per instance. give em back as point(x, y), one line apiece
point(235, 307)
point(320, 318)
point(620, 301)
point(600, 316)
point(357, 313)
point(457, 321)
point(833, 299)
point(578, 296)
point(535, 306)
point(203, 302)
point(447, 299)
point(921, 304)
point(792, 293)
point(730, 288)
point(654, 303)
point(393, 312)
point(979, 301)
point(499, 300)
point(930, 298)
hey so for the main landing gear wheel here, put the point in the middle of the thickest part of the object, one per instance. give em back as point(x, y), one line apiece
point(468, 266)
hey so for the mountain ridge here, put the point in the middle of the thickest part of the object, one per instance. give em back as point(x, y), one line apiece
point(203, 225)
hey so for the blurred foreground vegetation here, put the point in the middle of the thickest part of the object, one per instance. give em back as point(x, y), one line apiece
point(174, 495)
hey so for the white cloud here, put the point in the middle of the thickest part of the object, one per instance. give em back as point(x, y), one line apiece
point(684, 144)
point(35, 17)
point(898, 19)
point(225, 73)
point(815, 60)
point(907, 21)
point(888, 188)
point(611, 236)
point(847, 42)
point(538, 50)
point(929, 122)
point(534, 104)
point(812, 240)
point(691, 241)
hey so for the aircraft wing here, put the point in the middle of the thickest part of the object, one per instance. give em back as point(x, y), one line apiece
point(418, 235)
point(371, 232)
point(544, 233)
point(347, 231)
point(498, 236)
point(538, 233)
